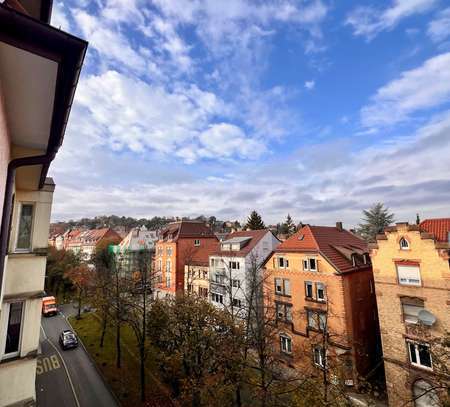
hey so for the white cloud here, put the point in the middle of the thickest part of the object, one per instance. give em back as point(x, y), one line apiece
point(424, 87)
point(59, 17)
point(310, 85)
point(439, 28)
point(370, 21)
point(131, 114)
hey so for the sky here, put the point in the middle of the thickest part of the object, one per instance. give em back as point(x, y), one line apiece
point(314, 108)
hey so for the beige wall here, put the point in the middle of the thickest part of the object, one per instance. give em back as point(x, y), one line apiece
point(434, 291)
point(20, 376)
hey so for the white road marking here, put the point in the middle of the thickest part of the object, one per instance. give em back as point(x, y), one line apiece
point(65, 367)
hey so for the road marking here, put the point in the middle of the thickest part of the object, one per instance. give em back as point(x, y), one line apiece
point(65, 368)
point(47, 364)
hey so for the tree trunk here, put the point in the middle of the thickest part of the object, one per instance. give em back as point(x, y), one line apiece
point(79, 304)
point(102, 338)
point(142, 357)
point(238, 396)
point(118, 350)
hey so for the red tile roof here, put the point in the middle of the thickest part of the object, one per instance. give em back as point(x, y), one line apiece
point(255, 235)
point(336, 245)
point(187, 228)
point(440, 228)
point(200, 256)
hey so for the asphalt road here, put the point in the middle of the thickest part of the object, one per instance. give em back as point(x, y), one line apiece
point(67, 378)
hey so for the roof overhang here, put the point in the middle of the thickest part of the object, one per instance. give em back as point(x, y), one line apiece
point(39, 70)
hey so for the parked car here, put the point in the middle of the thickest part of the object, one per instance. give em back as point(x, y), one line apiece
point(68, 339)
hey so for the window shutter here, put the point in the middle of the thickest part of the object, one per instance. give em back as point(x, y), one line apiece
point(287, 287)
point(409, 275)
point(305, 264)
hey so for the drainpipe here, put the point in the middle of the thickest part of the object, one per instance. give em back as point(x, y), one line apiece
point(7, 205)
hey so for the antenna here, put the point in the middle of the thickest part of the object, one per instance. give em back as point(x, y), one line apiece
point(426, 317)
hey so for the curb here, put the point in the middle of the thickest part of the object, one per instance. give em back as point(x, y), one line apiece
point(100, 373)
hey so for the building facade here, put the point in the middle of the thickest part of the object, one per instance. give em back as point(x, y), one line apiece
point(320, 285)
point(234, 264)
point(412, 281)
point(87, 241)
point(181, 243)
point(39, 69)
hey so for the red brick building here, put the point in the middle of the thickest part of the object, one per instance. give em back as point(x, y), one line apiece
point(181, 243)
point(320, 284)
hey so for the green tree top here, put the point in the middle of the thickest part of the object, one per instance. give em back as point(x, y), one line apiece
point(255, 222)
point(374, 221)
point(288, 228)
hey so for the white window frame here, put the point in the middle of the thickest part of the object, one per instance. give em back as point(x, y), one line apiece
point(33, 213)
point(285, 262)
point(408, 280)
point(321, 360)
point(307, 264)
point(309, 284)
point(417, 355)
point(196, 242)
point(234, 265)
point(321, 286)
point(402, 244)
point(236, 283)
point(168, 266)
point(4, 329)
point(217, 298)
point(285, 344)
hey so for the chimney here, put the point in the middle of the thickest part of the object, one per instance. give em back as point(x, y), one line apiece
point(339, 226)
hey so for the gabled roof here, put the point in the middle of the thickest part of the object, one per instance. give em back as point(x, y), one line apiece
point(200, 255)
point(439, 227)
point(253, 237)
point(336, 245)
point(186, 229)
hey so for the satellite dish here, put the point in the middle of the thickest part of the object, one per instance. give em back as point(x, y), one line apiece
point(426, 317)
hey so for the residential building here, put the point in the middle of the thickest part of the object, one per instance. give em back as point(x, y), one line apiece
point(412, 282)
point(136, 242)
point(39, 70)
point(232, 265)
point(320, 285)
point(87, 241)
point(181, 243)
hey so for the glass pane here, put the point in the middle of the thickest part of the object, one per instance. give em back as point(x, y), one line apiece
point(412, 352)
point(14, 324)
point(25, 222)
point(424, 355)
point(312, 263)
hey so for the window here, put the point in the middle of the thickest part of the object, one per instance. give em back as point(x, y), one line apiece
point(203, 292)
point(168, 282)
point(218, 278)
point(189, 288)
point(233, 265)
point(169, 251)
point(425, 395)
point(197, 242)
point(168, 266)
point(159, 264)
point(14, 329)
point(408, 275)
point(320, 289)
point(284, 312)
point(419, 354)
point(212, 262)
point(217, 298)
point(282, 262)
point(318, 356)
point(285, 344)
point(404, 244)
point(283, 286)
point(317, 320)
point(236, 283)
point(25, 227)
point(237, 302)
point(205, 274)
point(411, 308)
point(310, 264)
point(308, 289)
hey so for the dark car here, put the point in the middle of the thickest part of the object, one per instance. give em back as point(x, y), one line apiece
point(68, 339)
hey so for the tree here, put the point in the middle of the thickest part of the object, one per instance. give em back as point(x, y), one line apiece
point(58, 263)
point(288, 228)
point(254, 222)
point(375, 220)
point(81, 277)
point(417, 219)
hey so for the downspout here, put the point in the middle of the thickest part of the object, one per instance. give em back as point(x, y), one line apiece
point(7, 206)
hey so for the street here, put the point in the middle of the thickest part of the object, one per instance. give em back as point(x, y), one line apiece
point(67, 378)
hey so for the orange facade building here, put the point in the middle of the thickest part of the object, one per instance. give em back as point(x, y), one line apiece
point(320, 284)
point(182, 243)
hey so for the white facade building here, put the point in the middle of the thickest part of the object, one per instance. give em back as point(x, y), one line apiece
point(231, 268)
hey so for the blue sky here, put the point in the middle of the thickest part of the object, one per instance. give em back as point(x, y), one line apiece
point(314, 108)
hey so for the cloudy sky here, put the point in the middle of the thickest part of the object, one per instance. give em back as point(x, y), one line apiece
point(314, 108)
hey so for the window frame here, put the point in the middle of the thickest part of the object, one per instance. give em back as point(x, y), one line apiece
point(322, 285)
point(285, 340)
point(309, 284)
point(319, 351)
point(419, 284)
point(307, 264)
point(404, 240)
point(33, 213)
point(285, 261)
point(10, 355)
point(416, 345)
point(196, 242)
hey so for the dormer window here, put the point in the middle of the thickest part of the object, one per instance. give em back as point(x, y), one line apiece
point(404, 244)
point(197, 242)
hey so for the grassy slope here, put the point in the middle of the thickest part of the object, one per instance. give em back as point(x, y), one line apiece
point(124, 381)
